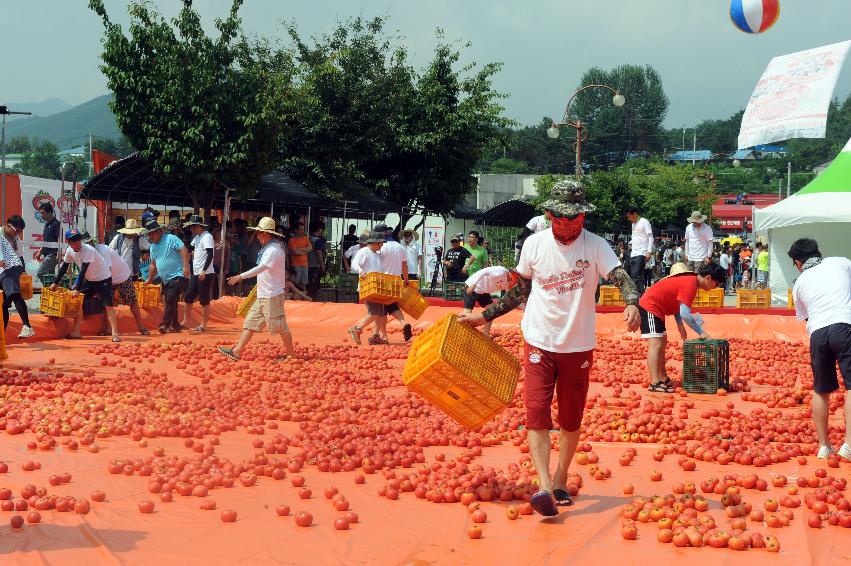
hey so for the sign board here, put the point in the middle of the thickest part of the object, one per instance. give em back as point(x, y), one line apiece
point(433, 238)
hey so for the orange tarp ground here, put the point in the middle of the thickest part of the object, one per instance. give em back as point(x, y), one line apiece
point(406, 531)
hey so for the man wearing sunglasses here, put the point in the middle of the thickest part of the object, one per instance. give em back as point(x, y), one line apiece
point(11, 268)
point(558, 272)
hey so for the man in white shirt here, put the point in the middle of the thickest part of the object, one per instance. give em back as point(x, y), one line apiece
point(368, 260)
point(95, 278)
point(350, 253)
point(122, 282)
point(822, 295)
point(414, 252)
point(698, 241)
point(642, 247)
point(129, 244)
point(482, 284)
point(268, 308)
point(724, 260)
point(203, 273)
point(394, 258)
point(558, 273)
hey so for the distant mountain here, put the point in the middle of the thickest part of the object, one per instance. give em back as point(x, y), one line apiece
point(44, 108)
point(69, 128)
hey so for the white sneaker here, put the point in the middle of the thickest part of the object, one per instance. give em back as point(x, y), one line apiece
point(845, 451)
point(26, 332)
point(825, 451)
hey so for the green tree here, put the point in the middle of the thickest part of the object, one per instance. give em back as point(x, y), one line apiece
point(19, 144)
point(201, 110)
point(119, 148)
point(42, 160)
point(508, 166)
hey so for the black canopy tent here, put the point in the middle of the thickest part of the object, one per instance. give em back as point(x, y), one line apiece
point(511, 213)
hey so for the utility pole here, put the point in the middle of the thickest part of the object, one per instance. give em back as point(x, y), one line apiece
point(694, 148)
point(788, 178)
point(4, 111)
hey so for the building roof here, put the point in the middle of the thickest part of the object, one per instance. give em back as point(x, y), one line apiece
point(699, 155)
point(79, 150)
point(514, 212)
point(770, 148)
point(742, 154)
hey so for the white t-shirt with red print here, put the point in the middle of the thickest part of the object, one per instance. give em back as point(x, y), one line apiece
point(559, 315)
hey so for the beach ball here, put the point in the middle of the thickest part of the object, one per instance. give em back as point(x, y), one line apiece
point(754, 16)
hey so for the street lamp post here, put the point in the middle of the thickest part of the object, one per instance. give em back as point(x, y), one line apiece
point(581, 131)
point(4, 111)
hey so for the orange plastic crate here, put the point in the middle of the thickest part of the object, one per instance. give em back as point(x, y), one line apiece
point(790, 302)
point(60, 303)
point(457, 369)
point(610, 296)
point(26, 286)
point(380, 288)
point(753, 298)
point(148, 296)
point(713, 299)
point(412, 303)
point(247, 302)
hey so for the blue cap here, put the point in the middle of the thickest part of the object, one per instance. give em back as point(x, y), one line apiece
point(148, 215)
point(73, 234)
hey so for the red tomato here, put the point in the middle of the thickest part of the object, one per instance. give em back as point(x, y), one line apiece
point(341, 523)
point(475, 532)
point(146, 506)
point(303, 519)
point(228, 516)
point(16, 521)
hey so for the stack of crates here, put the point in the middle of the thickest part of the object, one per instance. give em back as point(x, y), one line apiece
point(247, 302)
point(60, 303)
point(26, 286)
point(148, 296)
point(453, 291)
point(326, 295)
point(347, 288)
point(380, 288)
point(713, 299)
point(706, 366)
point(753, 298)
point(456, 368)
point(610, 296)
point(411, 302)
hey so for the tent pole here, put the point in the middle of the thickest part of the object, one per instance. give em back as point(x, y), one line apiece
point(343, 230)
point(225, 261)
point(272, 211)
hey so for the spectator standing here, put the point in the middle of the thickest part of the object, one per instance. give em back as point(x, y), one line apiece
point(349, 239)
point(299, 246)
point(316, 257)
point(478, 255)
point(95, 278)
point(667, 260)
point(698, 241)
point(119, 222)
point(169, 262)
point(761, 266)
point(11, 268)
point(351, 251)
point(129, 244)
point(822, 295)
point(414, 252)
point(268, 308)
point(455, 259)
point(50, 235)
point(726, 263)
point(203, 275)
point(642, 247)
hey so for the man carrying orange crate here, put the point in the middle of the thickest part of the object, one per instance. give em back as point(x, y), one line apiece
point(482, 284)
point(95, 277)
point(394, 259)
point(673, 296)
point(268, 308)
point(368, 260)
point(121, 281)
point(558, 273)
point(822, 296)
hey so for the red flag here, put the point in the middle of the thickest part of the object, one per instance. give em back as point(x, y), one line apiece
point(101, 159)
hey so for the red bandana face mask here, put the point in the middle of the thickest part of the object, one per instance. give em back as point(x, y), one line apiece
point(566, 230)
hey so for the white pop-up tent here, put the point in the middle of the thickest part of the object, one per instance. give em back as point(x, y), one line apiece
point(821, 211)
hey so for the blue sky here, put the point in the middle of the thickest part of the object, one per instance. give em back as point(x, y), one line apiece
point(50, 48)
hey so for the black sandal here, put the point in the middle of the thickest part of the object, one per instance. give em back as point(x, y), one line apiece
point(563, 498)
point(662, 387)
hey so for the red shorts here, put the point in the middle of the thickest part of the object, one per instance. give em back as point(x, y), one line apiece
point(566, 373)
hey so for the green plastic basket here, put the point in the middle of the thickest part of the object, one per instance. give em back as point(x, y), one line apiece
point(348, 282)
point(706, 366)
point(453, 291)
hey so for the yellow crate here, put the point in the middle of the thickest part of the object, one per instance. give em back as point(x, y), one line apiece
point(459, 370)
point(753, 298)
point(610, 296)
point(61, 303)
point(713, 299)
point(790, 302)
point(380, 288)
point(26, 286)
point(148, 296)
point(412, 303)
point(247, 302)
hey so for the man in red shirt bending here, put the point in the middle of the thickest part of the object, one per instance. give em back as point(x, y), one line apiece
point(673, 295)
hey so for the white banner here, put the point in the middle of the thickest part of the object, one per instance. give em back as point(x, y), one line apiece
point(433, 239)
point(792, 97)
point(34, 192)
